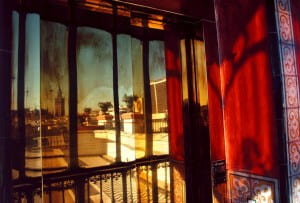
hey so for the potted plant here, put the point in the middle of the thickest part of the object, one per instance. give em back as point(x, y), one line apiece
point(104, 106)
point(133, 120)
point(105, 119)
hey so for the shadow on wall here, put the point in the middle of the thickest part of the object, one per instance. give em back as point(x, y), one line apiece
point(246, 86)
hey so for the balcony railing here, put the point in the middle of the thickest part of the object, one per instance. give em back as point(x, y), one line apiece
point(143, 180)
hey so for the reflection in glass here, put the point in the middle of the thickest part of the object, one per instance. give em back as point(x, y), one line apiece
point(33, 154)
point(96, 134)
point(150, 182)
point(202, 90)
point(158, 89)
point(184, 78)
point(138, 93)
point(14, 95)
point(131, 97)
point(54, 97)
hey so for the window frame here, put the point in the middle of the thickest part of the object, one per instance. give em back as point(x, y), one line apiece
point(69, 16)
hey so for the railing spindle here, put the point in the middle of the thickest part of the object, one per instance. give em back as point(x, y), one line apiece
point(130, 178)
point(63, 191)
point(88, 190)
point(148, 190)
point(50, 193)
point(101, 197)
point(112, 188)
point(166, 182)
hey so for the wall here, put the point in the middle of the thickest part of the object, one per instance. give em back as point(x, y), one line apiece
point(247, 97)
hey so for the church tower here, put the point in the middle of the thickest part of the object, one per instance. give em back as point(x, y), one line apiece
point(59, 104)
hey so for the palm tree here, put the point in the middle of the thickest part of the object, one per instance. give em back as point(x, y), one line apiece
point(129, 101)
point(104, 106)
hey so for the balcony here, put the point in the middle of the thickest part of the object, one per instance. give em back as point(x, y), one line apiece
point(143, 180)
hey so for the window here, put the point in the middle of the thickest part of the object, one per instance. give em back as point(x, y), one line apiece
point(116, 146)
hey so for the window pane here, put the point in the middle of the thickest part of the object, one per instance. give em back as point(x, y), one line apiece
point(158, 88)
point(96, 133)
point(202, 91)
point(138, 91)
point(33, 162)
point(131, 97)
point(54, 97)
point(14, 98)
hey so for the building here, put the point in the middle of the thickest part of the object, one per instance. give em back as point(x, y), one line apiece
point(158, 90)
point(59, 104)
point(232, 95)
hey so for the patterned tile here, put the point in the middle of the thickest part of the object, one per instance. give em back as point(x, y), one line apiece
point(288, 61)
point(240, 188)
point(288, 58)
point(293, 124)
point(291, 92)
point(285, 32)
point(295, 185)
point(283, 5)
point(262, 191)
point(294, 157)
point(244, 186)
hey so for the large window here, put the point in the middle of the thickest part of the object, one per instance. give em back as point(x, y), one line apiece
point(120, 130)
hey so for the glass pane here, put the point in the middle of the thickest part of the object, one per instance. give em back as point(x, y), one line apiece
point(184, 71)
point(144, 183)
point(131, 97)
point(202, 90)
point(158, 89)
point(54, 97)
point(33, 154)
point(14, 97)
point(96, 133)
point(138, 93)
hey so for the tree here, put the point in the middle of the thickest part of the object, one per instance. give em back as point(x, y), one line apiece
point(104, 106)
point(87, 110)
point(129, 101)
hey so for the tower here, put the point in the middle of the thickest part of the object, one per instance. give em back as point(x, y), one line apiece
point(59, 104)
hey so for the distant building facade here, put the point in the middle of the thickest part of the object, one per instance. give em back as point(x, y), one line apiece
point(158, 93)
point(59, 104)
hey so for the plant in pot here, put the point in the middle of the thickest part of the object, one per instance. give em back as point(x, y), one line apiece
point(104, 119)
point(104, 106)
point(132, 119)
point(129, 100)
point(85, 117)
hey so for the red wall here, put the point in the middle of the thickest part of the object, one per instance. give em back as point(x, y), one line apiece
point(173, 69)
point(246, 82)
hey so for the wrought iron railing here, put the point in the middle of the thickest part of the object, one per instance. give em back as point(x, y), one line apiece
point(144, 180)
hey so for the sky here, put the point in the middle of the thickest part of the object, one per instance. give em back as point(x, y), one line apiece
point(15, 44)
point(54, 64)
point(32, 61)
point(94, 67)
point(46, 67)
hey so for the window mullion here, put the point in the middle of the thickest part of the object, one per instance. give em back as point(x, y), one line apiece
point(72, 32)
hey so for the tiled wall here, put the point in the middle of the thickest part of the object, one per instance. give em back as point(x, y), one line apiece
point(244, 187)
point(290, 85)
